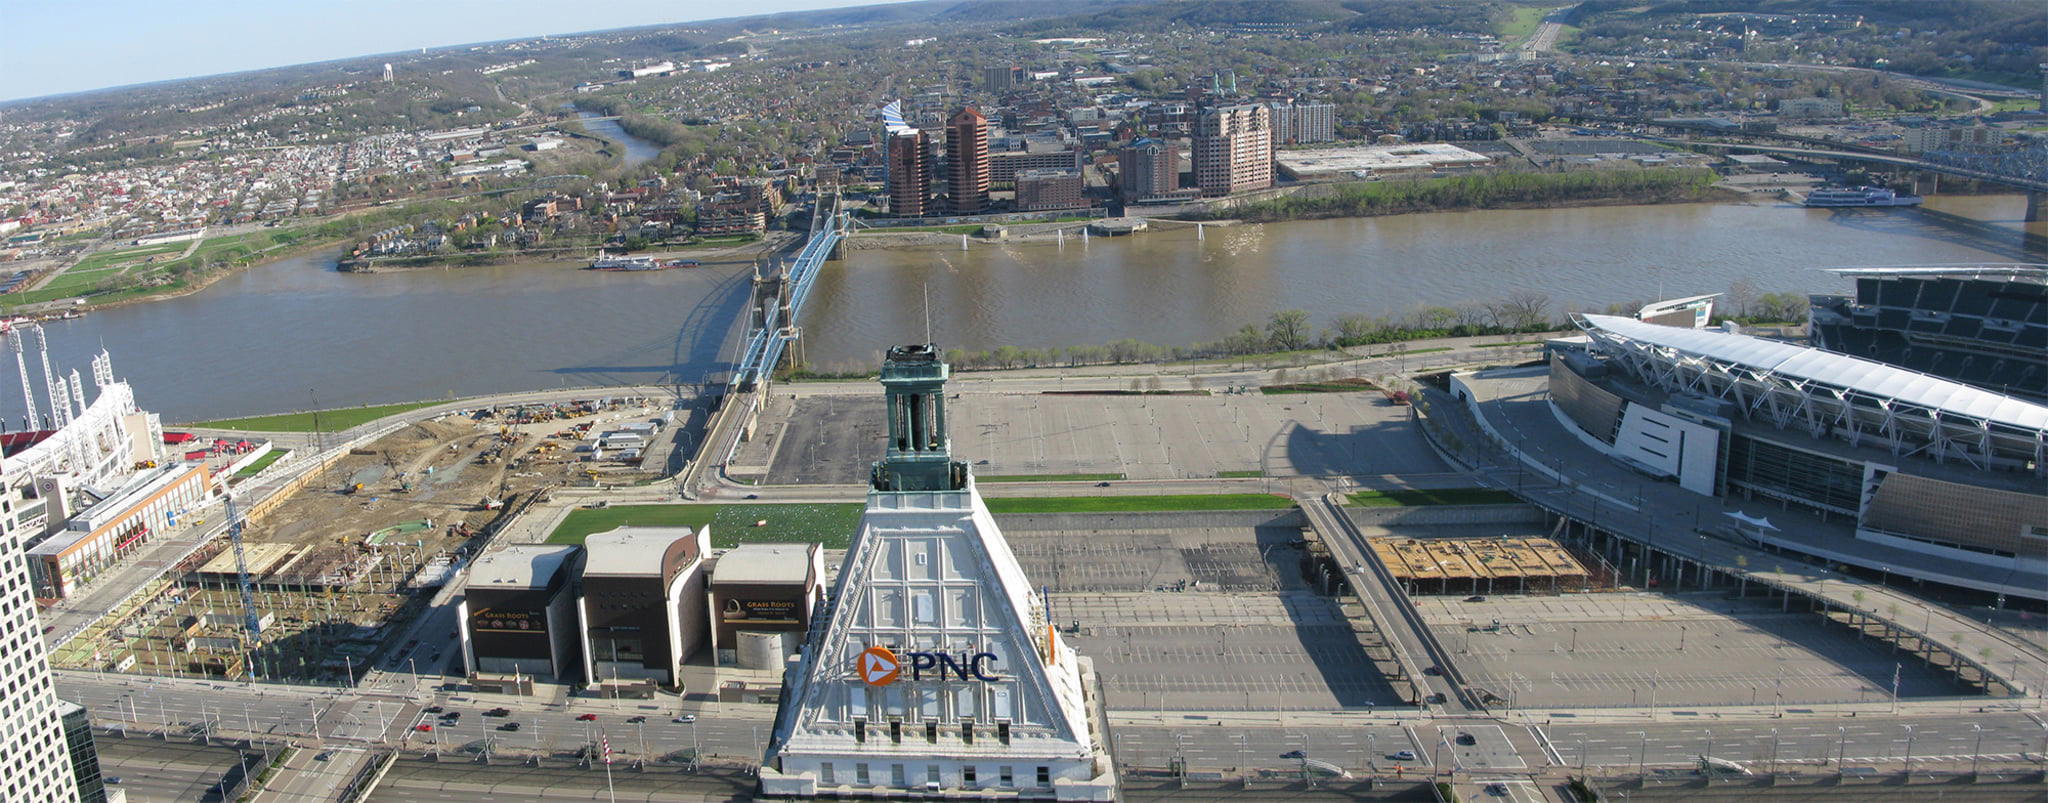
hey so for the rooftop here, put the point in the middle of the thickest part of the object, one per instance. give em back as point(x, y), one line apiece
point(1802, 364)
point(631, 550)
point(764, 563)
point(521, 566)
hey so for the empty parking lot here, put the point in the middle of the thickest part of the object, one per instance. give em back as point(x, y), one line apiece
point(1643, 649)
point(831, 438)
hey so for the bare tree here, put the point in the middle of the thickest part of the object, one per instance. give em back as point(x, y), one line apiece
point(1525, 309)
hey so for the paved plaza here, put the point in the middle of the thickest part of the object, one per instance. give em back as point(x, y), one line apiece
point(831, 438)
point(1643, 649)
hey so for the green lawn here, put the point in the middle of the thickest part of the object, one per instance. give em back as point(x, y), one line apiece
point(1135, 504)
point(1444, 496)
point(1520, 26)
point(1240, 475)
point(731, 525)
point(334, 420)
point(1047, 477)
point(262, 462)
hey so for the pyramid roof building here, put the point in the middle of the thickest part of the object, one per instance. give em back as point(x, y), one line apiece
point(935, 667)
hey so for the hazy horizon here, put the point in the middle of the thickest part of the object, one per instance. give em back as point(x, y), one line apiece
point(61, 49)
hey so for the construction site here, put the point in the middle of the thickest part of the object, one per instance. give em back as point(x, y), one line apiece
point(347, 556)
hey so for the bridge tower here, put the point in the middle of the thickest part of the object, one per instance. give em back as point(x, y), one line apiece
point(2036, 202)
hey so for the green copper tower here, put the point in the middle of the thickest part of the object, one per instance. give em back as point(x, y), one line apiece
point(919, 457)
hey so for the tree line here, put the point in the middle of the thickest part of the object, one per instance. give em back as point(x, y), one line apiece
point(1482, 191)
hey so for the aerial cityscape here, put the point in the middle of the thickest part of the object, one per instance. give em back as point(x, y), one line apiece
point(1130, 400)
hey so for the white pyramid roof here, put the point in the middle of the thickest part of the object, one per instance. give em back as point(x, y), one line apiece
point(930, 571)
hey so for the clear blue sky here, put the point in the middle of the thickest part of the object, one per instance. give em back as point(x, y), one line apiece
point(57, 46)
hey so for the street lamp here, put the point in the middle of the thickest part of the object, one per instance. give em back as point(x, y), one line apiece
point(1976, 753)
point(1841, 747)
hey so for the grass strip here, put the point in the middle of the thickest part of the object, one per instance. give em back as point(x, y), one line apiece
point(334, 420)
point(1047, 477)
point(1435, 496)
point(1138, 504)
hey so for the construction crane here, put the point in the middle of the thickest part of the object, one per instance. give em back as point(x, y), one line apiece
point(249, 620)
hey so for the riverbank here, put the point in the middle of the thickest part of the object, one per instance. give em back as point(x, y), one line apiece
point(579, 256)
point(1485, 191)
point(182, 286)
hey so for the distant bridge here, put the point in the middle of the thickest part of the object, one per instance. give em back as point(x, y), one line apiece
point(780, 298)
point(771, 326)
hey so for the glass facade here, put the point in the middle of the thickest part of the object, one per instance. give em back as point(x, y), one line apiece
point(1800, 477)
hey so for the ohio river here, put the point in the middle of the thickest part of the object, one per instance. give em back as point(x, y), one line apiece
point(293, 334)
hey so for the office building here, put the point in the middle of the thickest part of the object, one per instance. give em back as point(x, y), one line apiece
point(1041, 190)
point(641, 606)
point(1233, 149)
point(1984, 326)
point(910, 172)
point(936, 670)
point(37, 766)
point(518, 617)
point(762, 600)
point(967, 167)
point(85, 755)
point(1914, 463)
point(1003, 167)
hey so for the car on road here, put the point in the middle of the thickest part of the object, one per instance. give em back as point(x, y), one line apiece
point(1497, 789)
point(324, 755)
point(586, 717)
point(434, 709)
point(112, 779)
point(753, 496)
point(1476, 598)
point(686, 719)
point(498, 712)
point(423, 728)
point(635, 720)
point(1401, 755)
point(1432, 669)
point(509, 726)
point(1466, 738)
point(1294, 754)
point(1435, 697)
point(452, 717)
point(1102, 484)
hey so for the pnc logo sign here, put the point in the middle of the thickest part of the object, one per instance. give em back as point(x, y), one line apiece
point(879, 666)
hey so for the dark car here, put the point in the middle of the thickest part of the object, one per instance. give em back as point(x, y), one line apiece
point(1466, 738)
point(1293, 754)
point(498, 712)
point(1432, 670)
point(1437, 697)
point(434, 709)
point(452, 717)
point(635, 720)
point(509, 726)
point(1476, 598)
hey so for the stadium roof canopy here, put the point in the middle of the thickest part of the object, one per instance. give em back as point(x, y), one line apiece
point(1854, 374)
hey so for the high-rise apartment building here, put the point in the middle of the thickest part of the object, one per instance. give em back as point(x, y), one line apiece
point(1301, 123)
point(1234, 149)
point(967, 173)
point(1148, 168)
point(910, 172)
point(37, 763)
point(1001, 79)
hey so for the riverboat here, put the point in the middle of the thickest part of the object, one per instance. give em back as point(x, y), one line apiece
point(1835, 197)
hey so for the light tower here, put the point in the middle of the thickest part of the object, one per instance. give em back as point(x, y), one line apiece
point(59, 413)
point(28, 394)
